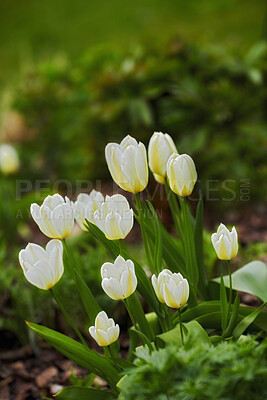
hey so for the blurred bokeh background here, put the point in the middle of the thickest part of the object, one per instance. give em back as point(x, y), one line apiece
point(77, 74)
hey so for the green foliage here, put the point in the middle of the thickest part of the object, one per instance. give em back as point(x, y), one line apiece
point(199, 95)
point(228, 371)
point(251, 278)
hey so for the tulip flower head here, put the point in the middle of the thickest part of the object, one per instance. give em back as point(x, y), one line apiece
point(85, 206)
point(171, 288)
point(225, 243)
point(118, 280)
point(54, 217)
point(9, 160)
point(182, 174)
point(127, 164)
point(105, 331)
point(42, 267)
point(160, 148)
point(115, 217)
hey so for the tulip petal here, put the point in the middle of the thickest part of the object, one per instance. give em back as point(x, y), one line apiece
point(112, 288)
point(113, 226)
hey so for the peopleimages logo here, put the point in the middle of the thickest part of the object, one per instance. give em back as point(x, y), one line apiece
point(214, 190)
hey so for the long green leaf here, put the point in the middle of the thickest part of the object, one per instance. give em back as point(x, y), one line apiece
point(142, 213)
point(89, 301)
point(83, 393)
point(77, 352)
point(233, 319)
point(244, 324)
point(138, 312)
point(189, 247)
point(252, 278)
point(209, 315)
point(172, 250)
point(198, 236)
point(158, 240)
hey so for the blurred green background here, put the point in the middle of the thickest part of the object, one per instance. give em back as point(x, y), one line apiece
point(77, 74)
point(31, 30)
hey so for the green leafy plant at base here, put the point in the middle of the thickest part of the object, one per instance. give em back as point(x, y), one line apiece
point(190, 317)
point(227, 371)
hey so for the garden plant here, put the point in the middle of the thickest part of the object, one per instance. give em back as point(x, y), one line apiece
point(195, 340)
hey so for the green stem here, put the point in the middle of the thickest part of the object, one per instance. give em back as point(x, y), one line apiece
point(68, 318)
point(230, 288)
point(180, 323)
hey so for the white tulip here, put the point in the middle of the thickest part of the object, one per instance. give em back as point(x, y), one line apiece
point(182, 174)
point(54, 217)
point(160, 148)
point(115, 217)
point(127, 164)
point(85, 206)
point(9, 159)
point(118, 280)
point(225, 243)
point(42, 267)
point(171, 288)
point(104, 331)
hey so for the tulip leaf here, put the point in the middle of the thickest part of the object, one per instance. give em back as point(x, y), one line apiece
point(233, 318)
point(245, 322)
point(137, 310)
point(208, 314)
point(158, 240)
point(142, 214)
point(223, 304)
point(189, 247)
point(83, 393)
point(192, 329)
point(79, 353)
point(144, 339)
point(122, 363)
point(198, 235)
point(252, 278)
point(172, 250)
point(89, 301)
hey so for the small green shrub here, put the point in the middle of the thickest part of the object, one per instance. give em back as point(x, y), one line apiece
point(200, 372)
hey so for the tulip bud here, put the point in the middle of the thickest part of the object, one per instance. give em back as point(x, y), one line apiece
point(9, 160)
point(182, 174)
point(160, 148)
point(127, 164)
point(85, 206)
point(118, 280)
point(225, 243)
point(54, 217)
point(171, 288)
point(105, 331)
point(42, 267)
point(115, 218)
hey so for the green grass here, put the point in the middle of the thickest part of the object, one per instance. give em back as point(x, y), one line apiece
point(31, 30)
